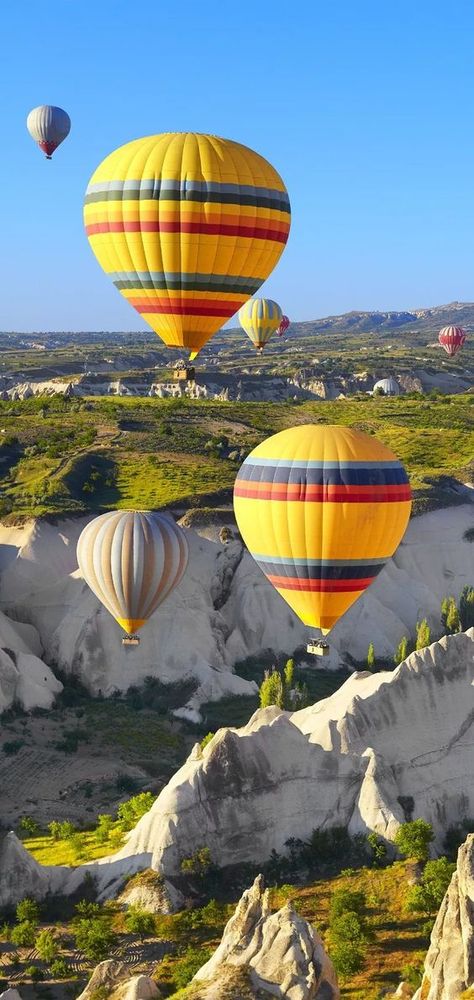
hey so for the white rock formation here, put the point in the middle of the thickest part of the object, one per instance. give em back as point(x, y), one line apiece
point(24, 677)
point(21, 875)
point(282, 952)
point(224, 610)
point(148, 891)
point(115, 976)
point(449, 965)
point(382, 749)
point(10, 994)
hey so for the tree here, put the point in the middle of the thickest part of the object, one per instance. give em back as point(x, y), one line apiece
point(27, 909)
point(139, 922)
point(55, 829)
point(348, 940)
point(271, 690)
point(66, 830)
point(371, 657)
point(347, 900)
point(95, 938)
point(200, 863)
point(24, 934)
point(444, 610)
point(379, 850)
point(413, 839)
point(423, 634)
point(47, 946)
point(427, 896)
point(402, 651)
point(130, 812)
point(29, 826)
point(288, 675)
point(453, 623)
point(466, 608)
point(104, 826)
point(87, 910)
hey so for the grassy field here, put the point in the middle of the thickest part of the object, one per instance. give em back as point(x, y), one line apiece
point(62, 457)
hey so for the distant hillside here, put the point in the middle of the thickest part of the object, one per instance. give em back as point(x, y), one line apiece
point(426, 321)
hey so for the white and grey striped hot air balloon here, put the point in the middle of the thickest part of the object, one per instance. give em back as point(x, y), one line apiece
point(132, 560)
point(48, 126)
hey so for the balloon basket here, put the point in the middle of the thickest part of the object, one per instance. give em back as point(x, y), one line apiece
point(130, 640)
point(317, 647)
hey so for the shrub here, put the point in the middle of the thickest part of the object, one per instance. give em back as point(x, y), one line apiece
point(34, 973)
point(205, 740)
point(95, 938)
point(27, 909)
point(200, 863)
point(104, 826)
point(427, 896)
point(344, 900)
point(348, 940)
point(187, 966)
point(29, 825)
point(413, 839)
point(379, 849)
point(24, 934)
point(60, 969)
point(412, 974)
point(47, 946)
point(87, 910)
point(139, 922)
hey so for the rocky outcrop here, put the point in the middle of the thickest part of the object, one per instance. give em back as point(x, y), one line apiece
point(148, 891)
point(449, 965)
point(115, 977)
point(280, 952)
point(384, 748)
point(21, 875)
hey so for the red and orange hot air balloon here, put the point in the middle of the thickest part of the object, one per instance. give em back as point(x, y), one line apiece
point(283, 326)
point(452, 339)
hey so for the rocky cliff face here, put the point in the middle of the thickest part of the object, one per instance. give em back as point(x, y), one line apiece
point(280, 952)
point(21, 875)
point(24, 678)
point(449, 965)
point(384, 749)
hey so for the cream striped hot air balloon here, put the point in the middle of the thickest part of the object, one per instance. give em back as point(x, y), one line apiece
point(132, 560)
point(48, 126)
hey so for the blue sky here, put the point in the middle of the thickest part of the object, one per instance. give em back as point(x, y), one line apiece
point(365, 107)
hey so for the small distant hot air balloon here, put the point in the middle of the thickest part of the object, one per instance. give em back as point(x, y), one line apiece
point(452, 339)
point(283, 326)
point(132, 560)
point(187, 226)
point(48, 126)
point(321, 509)
point(260, 318)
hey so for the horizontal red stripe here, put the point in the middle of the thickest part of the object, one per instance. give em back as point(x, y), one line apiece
point(192, 307)
point(327, 494)
point(320, 586)
point(280, 235)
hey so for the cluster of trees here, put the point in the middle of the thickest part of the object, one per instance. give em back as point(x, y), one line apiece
point(280, 688)
point(109, 830)
point(455, 617)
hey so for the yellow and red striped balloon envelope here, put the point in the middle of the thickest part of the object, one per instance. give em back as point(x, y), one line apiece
point(188, 227)
point(321, 509)
point(260, 318)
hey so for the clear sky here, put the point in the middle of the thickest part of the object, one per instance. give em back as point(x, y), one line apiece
point(365, 107)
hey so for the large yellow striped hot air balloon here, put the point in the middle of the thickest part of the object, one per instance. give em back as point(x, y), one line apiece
point(260, 318)
point(321, 509)
point(132, 560)
point(187, 226)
